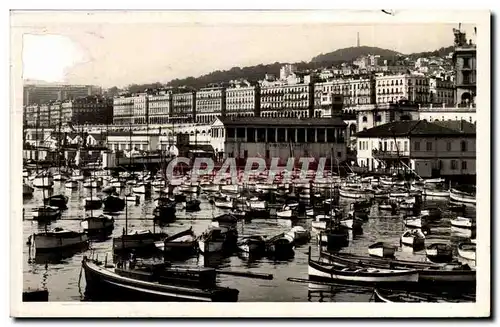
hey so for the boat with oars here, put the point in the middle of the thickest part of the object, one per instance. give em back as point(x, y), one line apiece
point(319, 270)
point(432, 274)
point(401, 296)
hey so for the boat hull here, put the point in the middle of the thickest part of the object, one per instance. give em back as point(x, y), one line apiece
point(44, 243)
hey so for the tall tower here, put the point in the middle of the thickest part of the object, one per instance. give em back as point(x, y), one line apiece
point(358, 40)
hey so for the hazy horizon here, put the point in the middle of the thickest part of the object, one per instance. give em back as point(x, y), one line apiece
point(120, 54)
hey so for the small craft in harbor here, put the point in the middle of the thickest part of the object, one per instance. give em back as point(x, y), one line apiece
point(414, 238)
point(381, 249)
point(467, 251)
point(439, 252)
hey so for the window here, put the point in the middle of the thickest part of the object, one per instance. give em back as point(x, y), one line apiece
point(281, 135)
point(453, 164)
point(448, 146)
point(271, 136)
point(464, 164)
point(428, 146)
point(463, 146)
point(417, 146)
point(365, 119)
point(291, 135)
point(321, 135)
point(330, 135)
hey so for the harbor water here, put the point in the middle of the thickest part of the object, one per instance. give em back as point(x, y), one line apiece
point(63, 277)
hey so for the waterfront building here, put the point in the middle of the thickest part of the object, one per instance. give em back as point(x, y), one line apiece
point(243, 100)
point(287, 100)
point(431, 149)
point(369, 116)
point(279, 138)
point(447, 112)
point(130, 109)
point(183, 106)
point(127, 141)
point(392, 88)
point(159, 107)
point(210, 104)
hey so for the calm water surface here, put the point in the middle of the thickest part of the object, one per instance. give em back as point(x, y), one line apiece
point(62, 276)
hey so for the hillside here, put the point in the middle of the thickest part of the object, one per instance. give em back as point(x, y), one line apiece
point(350, 54)
point(255, 73)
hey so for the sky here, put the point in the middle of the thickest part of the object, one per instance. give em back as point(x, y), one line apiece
point(121, 54)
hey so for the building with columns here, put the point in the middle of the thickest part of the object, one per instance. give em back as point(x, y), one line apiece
point(280, 138)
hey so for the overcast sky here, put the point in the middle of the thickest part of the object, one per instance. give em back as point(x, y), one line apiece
point(121, 54)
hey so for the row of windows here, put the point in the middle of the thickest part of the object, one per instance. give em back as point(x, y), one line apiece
point(299, 135)
point(429, 146)
point(285, 90)
point(235, 94)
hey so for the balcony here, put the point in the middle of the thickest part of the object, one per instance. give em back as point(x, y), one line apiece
point(380, 154)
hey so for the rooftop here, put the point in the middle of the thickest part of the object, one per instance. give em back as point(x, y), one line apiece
point(302, 122)
point(421, 128)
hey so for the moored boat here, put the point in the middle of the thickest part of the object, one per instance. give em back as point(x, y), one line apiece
point(462, 222)
point(400, 296)
point(27, 190)
point(101, 224)
point(113, 203)
point(60, 201)
point(71, 183)
point(467, 251)
point(462, 197)
point(217, 239)
point(57, 239)
point(414, 238)
point(299, 235)
point(182, 243)
point(92, 203)
point(332, 273)
point(137, 240)
point(252, 245)
point(46, 213)
point(381, 249)
point(153, 283)
point(280, 245)
point(439, 252)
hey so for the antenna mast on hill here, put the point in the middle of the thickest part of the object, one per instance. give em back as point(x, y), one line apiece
point(358, 43)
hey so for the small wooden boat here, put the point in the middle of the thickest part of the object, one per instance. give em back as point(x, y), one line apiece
point(60, 201)
point(71, 183)
point(414, 238)
point(154, 282)
point(329, 272)
point(428, 272)
point(310, 212)
point(252, 245)
point(117, 183)
point(165, 212)
point(279, 245)
point(59, 177)
point(435, 193)
point(137, 240)
point(335, 237)
point(182, 243)
point(217, 239)
point(400, 296)
point(209, 188)
point(462, 197)
point(224, 203)
point(27, 190)
point(321, 222)
point(101, 224)
point(352, 193)
point(387, 206)
point(113, 203)
point(46, 213)
point(225, 220)
point(467, 251)
point(43, 180)
point(192, 205)
point(462, 222)
point(92, 203)
point(350, 222)
point(413, 222)
point(57, 239)
point(439, 252)
point(299, 235)
point(380, 249)
point(255, 203)
point(188, 188)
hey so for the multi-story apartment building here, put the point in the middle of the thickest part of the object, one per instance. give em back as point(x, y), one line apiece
point(441, 91)
point(123, 109)
point(210, 104)
point(287, 100)
point(159, 107)
point(243, 100)
point(392, 88)
point(44, 115)
point(88, 110)
point(183, 109)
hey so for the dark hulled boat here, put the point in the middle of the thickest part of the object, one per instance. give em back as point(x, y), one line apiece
point(60, 201)
point(165, 212)
point(155, 282)
point(182, 243)
point(192, 205)
point(113, 203)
